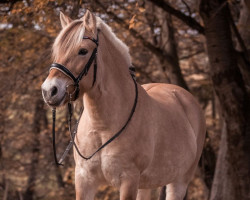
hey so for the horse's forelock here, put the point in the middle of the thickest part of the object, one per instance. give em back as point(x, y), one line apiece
point(68, 39)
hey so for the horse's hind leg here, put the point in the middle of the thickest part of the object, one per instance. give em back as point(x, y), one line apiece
point(176, 191)
point(144, 194)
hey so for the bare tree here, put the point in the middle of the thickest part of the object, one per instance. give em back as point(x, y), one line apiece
point(231, 91)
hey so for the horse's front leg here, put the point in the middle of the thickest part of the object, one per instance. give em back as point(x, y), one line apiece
point(129, 186)
point(85, 187)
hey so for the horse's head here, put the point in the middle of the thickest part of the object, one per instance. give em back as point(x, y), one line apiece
point(74, 54)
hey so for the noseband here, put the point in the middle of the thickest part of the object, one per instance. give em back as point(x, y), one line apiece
point(84, 72)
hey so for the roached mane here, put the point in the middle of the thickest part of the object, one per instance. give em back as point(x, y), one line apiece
point(69, 39)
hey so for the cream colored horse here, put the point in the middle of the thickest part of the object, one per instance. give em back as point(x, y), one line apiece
point(162, 143)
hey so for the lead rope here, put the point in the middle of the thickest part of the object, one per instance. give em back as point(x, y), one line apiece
point(72, 135)
point(54, 135)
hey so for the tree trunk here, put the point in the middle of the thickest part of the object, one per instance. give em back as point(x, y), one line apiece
point(39, 121)
point(171, 62)
point(220, 188)
point(230, 89)
point(243, 43)
point(243, 24)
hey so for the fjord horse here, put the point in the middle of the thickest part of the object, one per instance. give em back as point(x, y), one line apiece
point(162, 143)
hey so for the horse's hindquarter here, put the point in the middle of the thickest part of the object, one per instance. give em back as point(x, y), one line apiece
point(175, 121)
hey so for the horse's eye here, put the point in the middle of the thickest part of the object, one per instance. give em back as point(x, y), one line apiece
point(82, 52)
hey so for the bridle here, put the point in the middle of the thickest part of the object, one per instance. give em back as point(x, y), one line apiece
point(84, 72)
point(76, 80)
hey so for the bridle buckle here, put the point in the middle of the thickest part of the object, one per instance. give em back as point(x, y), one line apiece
point(72, 95)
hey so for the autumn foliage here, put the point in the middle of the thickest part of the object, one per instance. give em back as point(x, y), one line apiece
point(179, 42)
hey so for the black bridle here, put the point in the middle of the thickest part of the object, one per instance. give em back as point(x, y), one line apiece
point(84, 72)
point(76, 80)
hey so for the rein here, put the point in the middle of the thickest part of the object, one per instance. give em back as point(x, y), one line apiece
point(76, 80)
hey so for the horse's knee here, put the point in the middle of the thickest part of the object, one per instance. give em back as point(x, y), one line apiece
point(85, 190)
point(128, 192)
point(176, 191)
point(144, 194)
point(128, 189)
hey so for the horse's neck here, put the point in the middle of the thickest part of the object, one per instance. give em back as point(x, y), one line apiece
point(109, 103)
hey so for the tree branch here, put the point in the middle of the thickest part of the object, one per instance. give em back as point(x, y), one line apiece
point(237, 34)
point(159, 52)
point(133, 32)
point(187, 6)
point(191, 22)
point(192, 54)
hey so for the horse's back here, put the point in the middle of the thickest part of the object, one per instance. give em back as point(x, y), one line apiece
point(168, 95)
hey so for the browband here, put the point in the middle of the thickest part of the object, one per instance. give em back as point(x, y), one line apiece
point(92, 39)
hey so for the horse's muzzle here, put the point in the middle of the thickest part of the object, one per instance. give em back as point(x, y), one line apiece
point(53, 94)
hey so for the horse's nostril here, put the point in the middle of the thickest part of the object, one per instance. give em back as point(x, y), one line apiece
point(54, 91)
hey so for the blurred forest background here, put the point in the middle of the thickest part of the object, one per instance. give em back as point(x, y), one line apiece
point(200, 45)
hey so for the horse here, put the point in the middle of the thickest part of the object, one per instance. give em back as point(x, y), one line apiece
point(161, 144)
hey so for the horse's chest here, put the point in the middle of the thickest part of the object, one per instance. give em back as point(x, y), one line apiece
point(112, 168)
point(90, 170)
point(105, 169)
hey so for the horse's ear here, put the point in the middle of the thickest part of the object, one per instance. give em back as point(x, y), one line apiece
point(89, 21)
point(65, 20)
